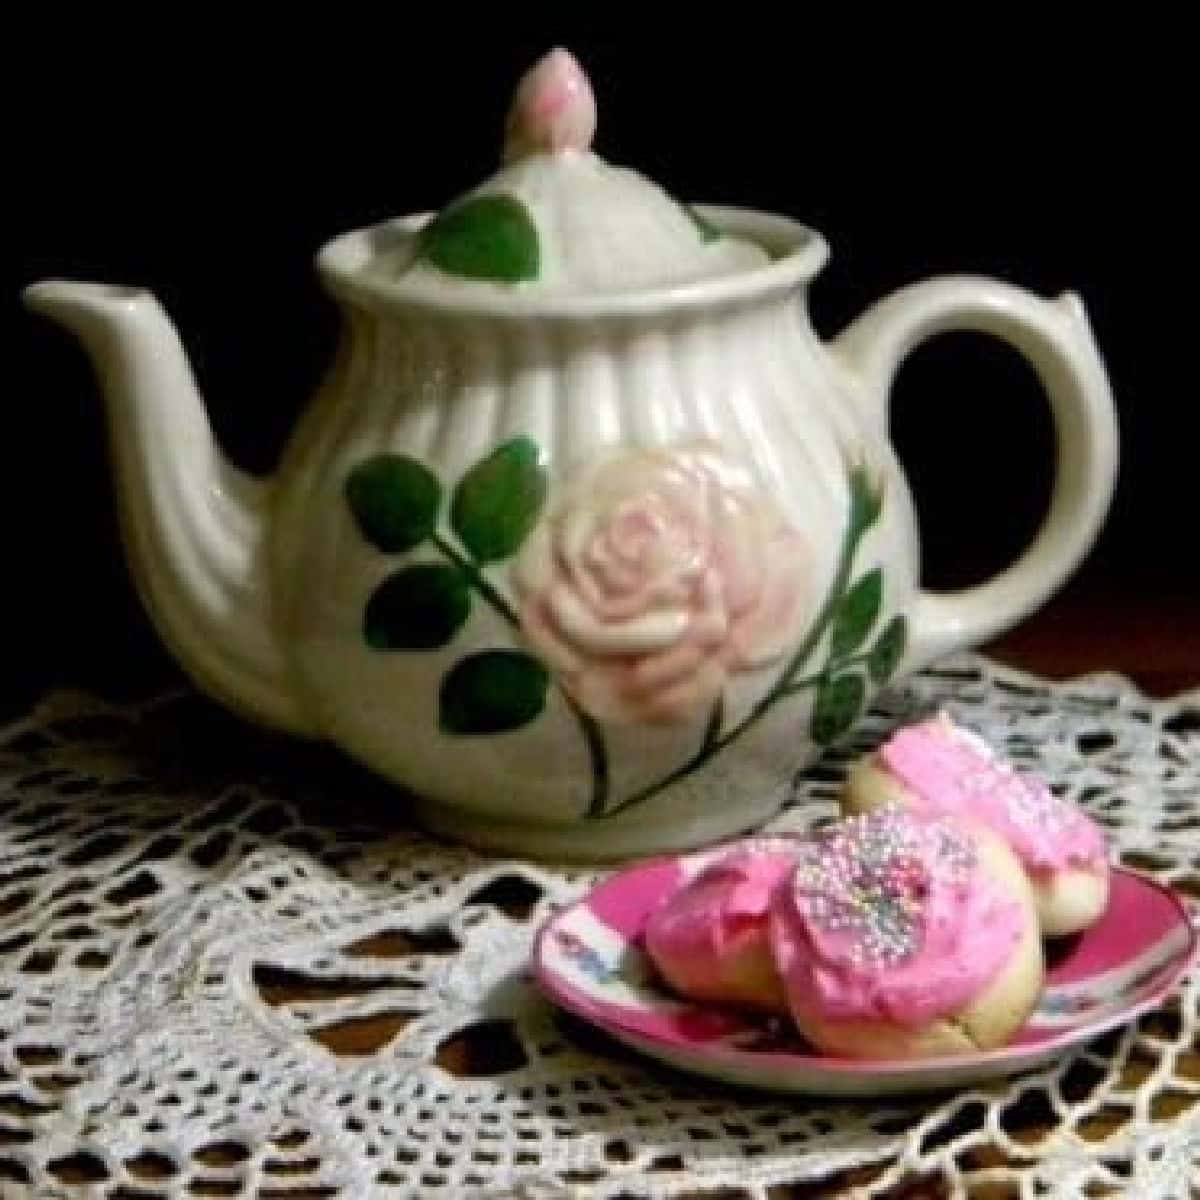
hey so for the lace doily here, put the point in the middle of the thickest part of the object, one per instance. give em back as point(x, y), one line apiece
point(206, 934)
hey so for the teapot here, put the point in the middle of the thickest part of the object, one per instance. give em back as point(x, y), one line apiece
point(586, 539)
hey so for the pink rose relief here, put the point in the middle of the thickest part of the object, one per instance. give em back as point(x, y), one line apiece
point(656, 574)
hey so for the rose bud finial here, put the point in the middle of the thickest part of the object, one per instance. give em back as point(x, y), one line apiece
point(553, 109)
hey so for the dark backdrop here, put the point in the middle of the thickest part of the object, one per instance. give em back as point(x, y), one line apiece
point(208, 161)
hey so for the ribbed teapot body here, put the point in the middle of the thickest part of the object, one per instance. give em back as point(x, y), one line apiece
point(468, 655)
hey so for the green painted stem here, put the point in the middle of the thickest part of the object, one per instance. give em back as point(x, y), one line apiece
point(837, 664)
point(710, 747)
point(716, 718)
point(809, 681)
point(477, 580)
point(593, 736)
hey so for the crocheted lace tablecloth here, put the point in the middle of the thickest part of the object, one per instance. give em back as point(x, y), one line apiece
point(193, 913)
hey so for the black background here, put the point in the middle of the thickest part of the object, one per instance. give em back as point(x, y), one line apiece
point(209, 161)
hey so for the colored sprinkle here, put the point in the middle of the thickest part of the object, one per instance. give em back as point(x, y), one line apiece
point(1028, 802)
point(868, 879)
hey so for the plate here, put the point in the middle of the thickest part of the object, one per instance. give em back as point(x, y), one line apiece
point(588, 960)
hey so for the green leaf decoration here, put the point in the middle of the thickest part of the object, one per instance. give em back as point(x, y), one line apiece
point(494, 691)
point(498, 500)
point(866, 502)
point(417, 608)
point(857, 612)
point(394, 500)
point(888, 650)
point(839, 702)
point(484, 237)
point(708, 231)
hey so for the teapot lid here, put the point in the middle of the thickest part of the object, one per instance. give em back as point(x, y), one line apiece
point(556, 218)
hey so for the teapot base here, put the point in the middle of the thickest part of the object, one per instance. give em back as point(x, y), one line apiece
point(613, 839)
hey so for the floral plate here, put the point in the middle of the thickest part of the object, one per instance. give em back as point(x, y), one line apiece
point(589, 961)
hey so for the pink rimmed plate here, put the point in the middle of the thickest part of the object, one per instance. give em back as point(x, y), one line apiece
point(588, 960)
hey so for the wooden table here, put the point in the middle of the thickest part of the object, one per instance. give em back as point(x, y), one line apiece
point(1154, 640)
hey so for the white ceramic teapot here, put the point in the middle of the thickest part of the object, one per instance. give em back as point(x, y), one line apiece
point(587, 539)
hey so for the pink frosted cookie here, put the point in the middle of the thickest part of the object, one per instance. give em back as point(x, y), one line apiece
point(899, 936)
point(937, 768)
point(709, 939)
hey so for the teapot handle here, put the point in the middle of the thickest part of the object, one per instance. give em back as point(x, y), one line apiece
point(1056, 339)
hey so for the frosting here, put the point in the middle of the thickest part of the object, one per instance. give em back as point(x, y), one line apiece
point(710, 936)
point(890, 916)
point(949, 770)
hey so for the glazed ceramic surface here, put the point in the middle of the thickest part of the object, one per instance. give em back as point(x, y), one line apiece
point(587, 539)
point(589, 960)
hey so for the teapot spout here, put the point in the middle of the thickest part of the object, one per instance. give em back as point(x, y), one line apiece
point(193, 524)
